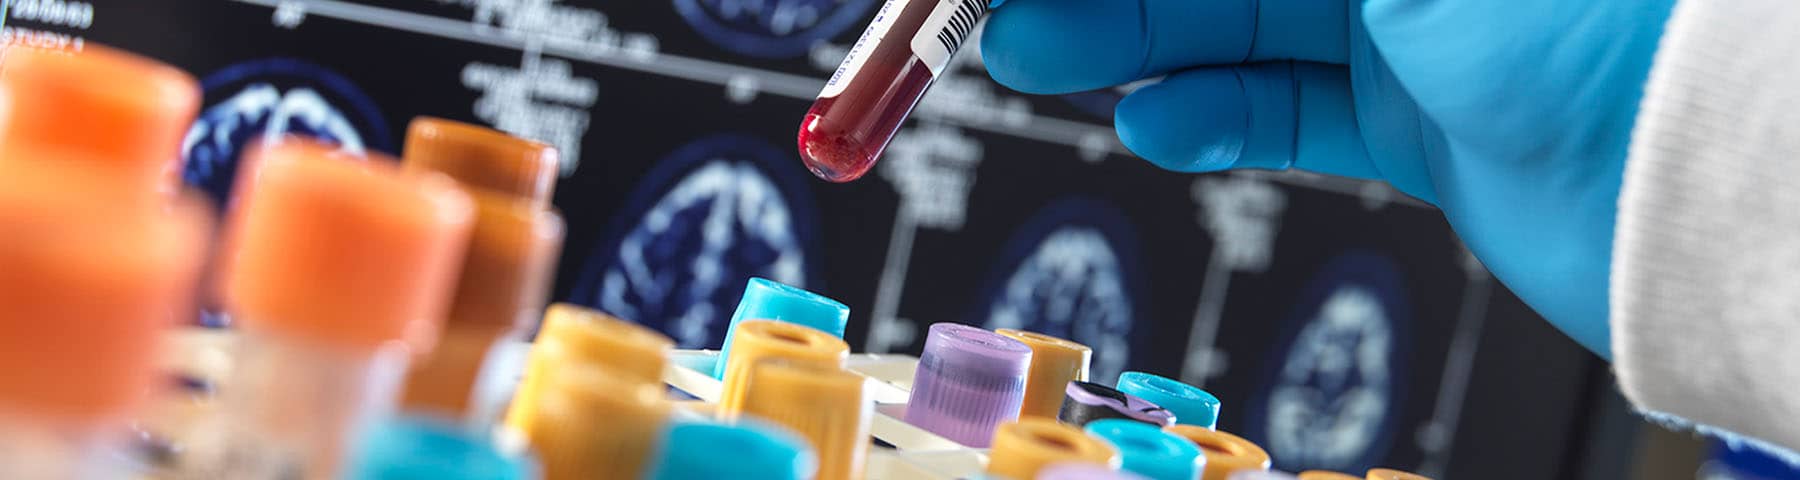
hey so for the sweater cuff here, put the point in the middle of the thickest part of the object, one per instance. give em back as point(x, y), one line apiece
point(1706, 261)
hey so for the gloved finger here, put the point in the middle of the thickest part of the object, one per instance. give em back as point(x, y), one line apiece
point(1065, 46)
point(1268, 116)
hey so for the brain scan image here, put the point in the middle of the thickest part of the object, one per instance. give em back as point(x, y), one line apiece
point(771, 28)
point(1331, 400)
point(265, 101)
point(682, 261)
point(1071, 281)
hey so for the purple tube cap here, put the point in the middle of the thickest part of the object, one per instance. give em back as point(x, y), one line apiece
point(968, 381)
point(1085, 471)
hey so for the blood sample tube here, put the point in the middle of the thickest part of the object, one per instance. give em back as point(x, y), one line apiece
point(1391, 474)
point(417, 448)
point(766, 299)
point(341, 269)
point(743, 451)
point(576, 337)
point(1089, 402)
point(1022, 449)
point(823, 403)
point(89, 288)
point(1054, 363)
point(905, 48)
point(1191, 405)
point(762, 340)
point(505, 277)
point(1150, 451)
point(968, 382)
point(1225, 453)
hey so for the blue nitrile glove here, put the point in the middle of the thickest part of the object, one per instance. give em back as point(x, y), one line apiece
point(1512, 116)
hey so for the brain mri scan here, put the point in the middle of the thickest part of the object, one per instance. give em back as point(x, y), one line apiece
point(680, 263)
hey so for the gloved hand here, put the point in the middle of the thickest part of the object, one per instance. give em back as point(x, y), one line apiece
point(1512, 116)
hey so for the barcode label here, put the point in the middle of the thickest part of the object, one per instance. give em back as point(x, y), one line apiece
point(864, 47)
point(944, 31)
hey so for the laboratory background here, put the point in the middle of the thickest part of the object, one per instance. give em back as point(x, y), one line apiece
point(1340, 323)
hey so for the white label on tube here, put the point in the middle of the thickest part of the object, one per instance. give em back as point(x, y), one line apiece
point(864, 47)
point(945, 30)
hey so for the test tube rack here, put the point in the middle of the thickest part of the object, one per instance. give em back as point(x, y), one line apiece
point(904, 452)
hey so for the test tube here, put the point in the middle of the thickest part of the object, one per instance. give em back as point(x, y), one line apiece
point(340, 269)
point(888, 69)
point(1225, 453)
point(760, 340)
point(591, 422)
point(1085, 471)
point(745, 451)
point(1022, 449)
point(968, 382)
point(1147, 450)
point(825, 404)
point(1191, 405)
point(573, 337)
point(1054, 363)
point(418, 448)
point(1391, 474)
point(1089, 402)
point(1272, 475)
point(89, 289)
point(766, 299)
point(124, 114)
point(505, 275)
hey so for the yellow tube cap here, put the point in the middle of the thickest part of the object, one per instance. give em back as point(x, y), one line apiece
point(1390, 474)
point(1022, 448)
point(591, 423)
point(574, 337)
point(507, 272)
point(1325, 475)
point(1225, 453)
point(483, 158)
point(1054, 363)
point(760, 340)
point(823, 403)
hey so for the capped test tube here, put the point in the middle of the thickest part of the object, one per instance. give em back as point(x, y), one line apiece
point(758, 341)
point(1023, 448)
point(1147, 450)
point(575, 337)
point(968, 382)
point(340, 269)
point(906, 47)
point(505, 276)
point(766, 299)
point(744, 451)
point(1089, 402)
point(823, 403)
point(1054, 363)
point(1085, 471)
point(1225, 453)
point(591, 422)
point(123, 114)
point(1391, 474)
point(1191, 405)
point(418, 448)
point(90, 287)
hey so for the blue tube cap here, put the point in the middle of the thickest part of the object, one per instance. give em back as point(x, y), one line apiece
point(766, 299)
point(419, 448)
point(1147, 450)
point(746, 451)
point(1191, 405)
